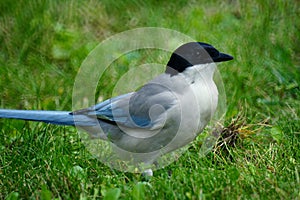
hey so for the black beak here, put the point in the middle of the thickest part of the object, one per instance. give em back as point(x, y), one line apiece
point(223, 57)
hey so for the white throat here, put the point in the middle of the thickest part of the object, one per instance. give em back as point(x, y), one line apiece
point(201, 72)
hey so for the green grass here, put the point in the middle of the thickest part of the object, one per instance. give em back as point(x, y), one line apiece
point(43, 44)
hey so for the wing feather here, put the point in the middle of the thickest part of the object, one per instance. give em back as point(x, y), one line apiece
point(143, 109)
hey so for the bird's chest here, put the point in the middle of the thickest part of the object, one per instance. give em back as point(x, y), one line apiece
point(197, 106)
point(206, 95)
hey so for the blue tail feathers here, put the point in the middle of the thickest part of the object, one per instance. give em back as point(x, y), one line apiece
point(51, 117)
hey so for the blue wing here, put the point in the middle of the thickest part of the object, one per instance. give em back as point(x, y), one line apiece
point(133, 109)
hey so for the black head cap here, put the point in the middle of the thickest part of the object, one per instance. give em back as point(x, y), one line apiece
point(194, 53)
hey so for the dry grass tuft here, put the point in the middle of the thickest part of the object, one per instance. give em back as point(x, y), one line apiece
point(232, 134)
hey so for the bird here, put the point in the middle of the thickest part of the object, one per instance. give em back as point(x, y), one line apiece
point(165, 114)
